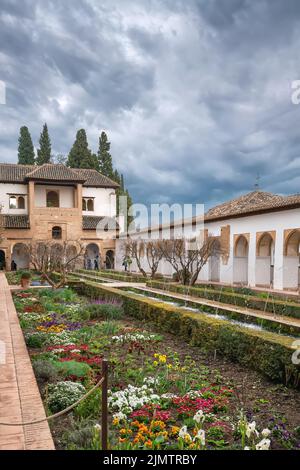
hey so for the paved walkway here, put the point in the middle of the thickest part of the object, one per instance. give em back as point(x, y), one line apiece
point(19, 394)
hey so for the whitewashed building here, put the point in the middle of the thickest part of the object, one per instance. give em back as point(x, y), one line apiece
point(259, 234)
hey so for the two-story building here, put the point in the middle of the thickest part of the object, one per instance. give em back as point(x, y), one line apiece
point(54, 202)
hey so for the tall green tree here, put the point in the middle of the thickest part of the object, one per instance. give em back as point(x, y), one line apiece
point(26, 154)
point(80, 155)
point(104, 157)
point(44, 152)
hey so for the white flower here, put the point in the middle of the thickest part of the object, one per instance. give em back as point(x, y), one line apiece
point(263, 445)
point(97, 427)
point(199, 417)
point(251, 428)
point(266, 432)
point(183, 434)
point(246, 448)
point(200, 436)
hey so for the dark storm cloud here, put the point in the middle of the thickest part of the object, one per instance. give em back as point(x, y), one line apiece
point(195, 96)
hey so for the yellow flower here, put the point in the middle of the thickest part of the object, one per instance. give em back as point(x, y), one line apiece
point(116, 421)
point(163, 358)
point(169, 366)
point(155, 363)
point(175, 430)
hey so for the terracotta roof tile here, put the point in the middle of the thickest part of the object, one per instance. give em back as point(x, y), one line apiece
point(14, 173)
point(256, 201)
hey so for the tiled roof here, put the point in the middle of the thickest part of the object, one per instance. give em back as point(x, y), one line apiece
point(91, 222)
point(54, 173)
point(16, 221)
point(94, 179)
point(256, 201)
point(14, 173)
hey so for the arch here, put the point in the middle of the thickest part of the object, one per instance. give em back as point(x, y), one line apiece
point(13, 202)
point(90, 205)
point(291, 260)
point(84, 204)
point(21, 202)
point(240, 261)
point(56, 233)
point(264, 266)
point(292, 244)
point(264, 245)
point(110, 259)
point(241, 248)
point(92, 256)
point(52, 199)
point(20, 255)
point(2, 260)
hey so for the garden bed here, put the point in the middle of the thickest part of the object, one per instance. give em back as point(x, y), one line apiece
point(163, 392)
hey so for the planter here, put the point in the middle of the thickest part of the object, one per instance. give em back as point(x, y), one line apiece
point(25, 283)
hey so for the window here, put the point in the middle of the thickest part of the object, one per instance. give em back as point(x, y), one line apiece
point(13, 202)
point(88, 204)
point(52, 199)
point(56, 233)
point(21, 202)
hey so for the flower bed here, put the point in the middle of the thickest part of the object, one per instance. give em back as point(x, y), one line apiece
point(160, 397)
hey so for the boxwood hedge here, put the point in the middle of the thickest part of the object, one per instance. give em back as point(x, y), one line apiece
point(264, 351)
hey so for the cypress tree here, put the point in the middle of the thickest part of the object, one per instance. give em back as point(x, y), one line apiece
point(44, 152)
point(104, 157)
point(26, 154)
point(80, 155)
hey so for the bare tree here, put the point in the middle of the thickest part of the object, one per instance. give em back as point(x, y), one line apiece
point(154, 255)
point(187, 257)
point(55, 257)
point(135, 249)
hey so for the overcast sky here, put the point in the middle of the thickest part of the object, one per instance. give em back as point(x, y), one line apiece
point(195, 95)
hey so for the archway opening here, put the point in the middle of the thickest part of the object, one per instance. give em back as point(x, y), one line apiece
point(2, 260)
point(265, 261)
point(56, 233)
point(240, 261)
point(92, 256)
point(291, 263)
point(110, 259)
point(20, 256)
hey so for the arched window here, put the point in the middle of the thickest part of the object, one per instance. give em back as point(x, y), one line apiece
point(12, 202)
point(52, 199)
point(90, 205)
point(83, 204)
point(56, 233)
point(21, 202)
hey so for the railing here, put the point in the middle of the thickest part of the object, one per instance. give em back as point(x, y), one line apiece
point(103, 382)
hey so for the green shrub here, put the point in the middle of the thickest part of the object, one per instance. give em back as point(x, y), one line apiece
point(44, 370)
point(36, 340)
point(91, 406)
point(104, 311)
point(63, 394)
point(67, 368)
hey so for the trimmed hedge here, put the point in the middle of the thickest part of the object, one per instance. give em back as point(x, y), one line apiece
point(112, 275)
point(280, 307)
point(266, 352)
point(267, 323)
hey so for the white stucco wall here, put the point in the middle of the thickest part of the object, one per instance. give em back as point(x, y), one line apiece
point(104, 202)
point(285, 268)
point(5, 191)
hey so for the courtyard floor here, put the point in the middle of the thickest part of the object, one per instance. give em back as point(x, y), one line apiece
point(20, 399)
